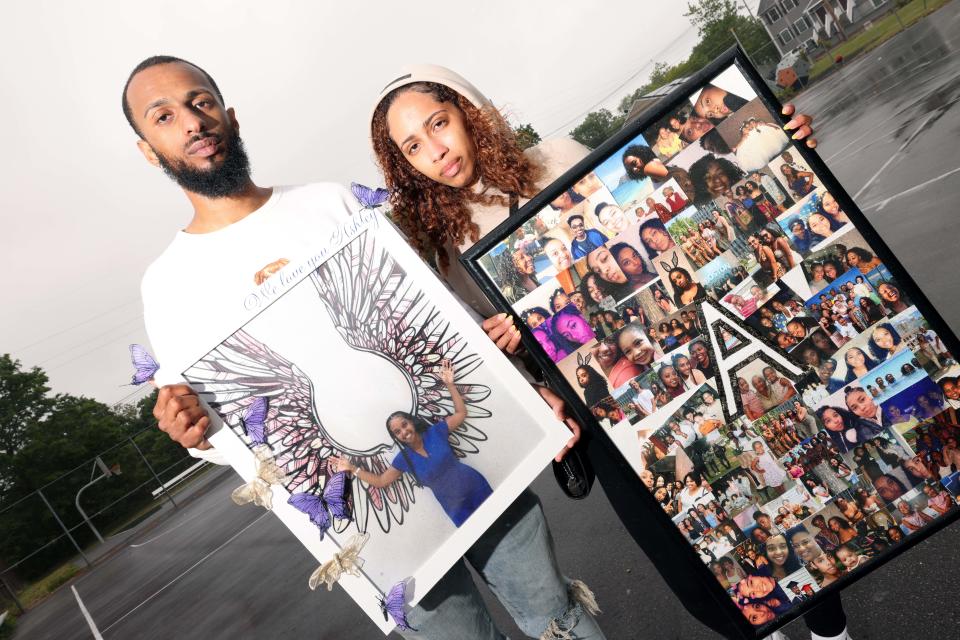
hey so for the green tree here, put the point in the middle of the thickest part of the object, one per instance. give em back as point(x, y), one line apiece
point(716, 20)
point(527, 136)
point(24, 401)
point(597, 127)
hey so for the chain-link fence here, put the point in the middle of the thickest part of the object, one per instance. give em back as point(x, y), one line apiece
point(68, 519)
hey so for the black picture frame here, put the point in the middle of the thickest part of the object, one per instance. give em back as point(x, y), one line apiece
point(684, 556)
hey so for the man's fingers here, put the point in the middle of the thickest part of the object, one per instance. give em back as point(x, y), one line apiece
point(788, 109)
point(187, 418)
point(802, 132)
point(811, 143)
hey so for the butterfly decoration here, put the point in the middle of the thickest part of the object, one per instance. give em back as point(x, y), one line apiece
point(333, 502)
point(393, 604)
point(144, 364)
point(253, 419)
point(258, 490)
point(347, 560)
point(369, 198)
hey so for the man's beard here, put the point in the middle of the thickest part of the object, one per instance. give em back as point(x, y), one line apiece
point(229, 178)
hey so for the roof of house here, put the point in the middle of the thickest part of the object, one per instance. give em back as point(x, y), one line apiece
point(764, 5)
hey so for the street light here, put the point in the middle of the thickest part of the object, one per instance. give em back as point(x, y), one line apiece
point(105, 472)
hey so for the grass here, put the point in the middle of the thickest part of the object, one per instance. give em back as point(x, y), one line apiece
point(42, 588)
point(881, 31)
point(9, 626)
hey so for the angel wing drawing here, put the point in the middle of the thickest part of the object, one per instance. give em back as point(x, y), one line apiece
point(383, 318)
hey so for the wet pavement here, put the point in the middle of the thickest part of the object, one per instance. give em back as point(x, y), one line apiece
point(888, 125)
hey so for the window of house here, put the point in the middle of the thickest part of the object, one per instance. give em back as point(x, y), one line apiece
point(773, 15)
point(785, 36)
point(878, 3)
point(800, 26)
point(788, 4)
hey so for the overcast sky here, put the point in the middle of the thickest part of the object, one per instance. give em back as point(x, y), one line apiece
point(84, 214)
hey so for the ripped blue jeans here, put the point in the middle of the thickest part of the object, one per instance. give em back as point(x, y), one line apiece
point(515, 557)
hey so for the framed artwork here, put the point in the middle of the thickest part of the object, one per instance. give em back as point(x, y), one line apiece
point(361, 353)
point(711, 301)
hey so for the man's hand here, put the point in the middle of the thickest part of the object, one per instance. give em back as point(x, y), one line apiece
point(504, 334)
point(555, 402)
point(180, 416)
point(802, 123)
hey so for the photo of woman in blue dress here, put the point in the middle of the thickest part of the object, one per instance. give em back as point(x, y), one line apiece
point(426, 454)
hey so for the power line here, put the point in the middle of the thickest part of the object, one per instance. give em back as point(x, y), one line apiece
point(620, 86)
point(75, 325)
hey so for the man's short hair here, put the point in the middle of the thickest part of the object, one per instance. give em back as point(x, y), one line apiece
point(153, 61)
point(575, 216)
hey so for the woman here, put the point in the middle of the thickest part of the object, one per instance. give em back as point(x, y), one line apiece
point(821, 225)
point(859, 364)
point(912, 520)
point(765, 257)
point(826, 568)
point(712, 177)
point(862, 260)
point(723, 225)
point(559, 254)
point(558, 300)
point(800, 182)
point(666, 335)
point(715, 103)
point(612, 218)
point(613, 281)
point(885, 342)
point(569, 330)
point(618, 369)
point(426, 454)
point(640, 162)
point(444, 207)
point(782, 558)
point(686, 290)
point(594, 385)
point(632, 265)
point(781, 248)
point(892, 297)
point(693, 492)
point(671, 380)
point(872, 312)
point(692, 378)
point(846, 429)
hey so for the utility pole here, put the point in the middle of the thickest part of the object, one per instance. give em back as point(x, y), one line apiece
point(749, 10)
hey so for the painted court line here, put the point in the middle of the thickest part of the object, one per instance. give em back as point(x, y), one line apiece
point(882, 203)
point(86, 615)
point(160, 535)
point(185, 572)
point(893, 157)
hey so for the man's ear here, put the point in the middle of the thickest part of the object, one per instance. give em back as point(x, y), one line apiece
point(148, 152)
point(233, 119)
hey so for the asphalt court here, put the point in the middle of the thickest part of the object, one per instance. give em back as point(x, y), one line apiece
point(888, 125)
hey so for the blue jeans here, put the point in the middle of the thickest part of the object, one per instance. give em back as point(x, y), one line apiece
point(515, 558)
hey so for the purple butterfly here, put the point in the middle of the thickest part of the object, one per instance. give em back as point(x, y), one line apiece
point(253, 419)
point(333, 500)
point(369, 198)
point(393, 604)
point(146, 367)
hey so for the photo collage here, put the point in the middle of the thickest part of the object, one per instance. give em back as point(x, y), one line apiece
point(805, 478)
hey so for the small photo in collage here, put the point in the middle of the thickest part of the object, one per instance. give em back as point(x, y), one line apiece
point(842, 440)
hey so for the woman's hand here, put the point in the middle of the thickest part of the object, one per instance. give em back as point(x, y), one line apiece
point(555, 402)
point(342, 464)
point(504, 334)
point(801, 123)
point(446, 372)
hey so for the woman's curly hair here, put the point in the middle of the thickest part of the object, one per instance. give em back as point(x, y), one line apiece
point(432, 214)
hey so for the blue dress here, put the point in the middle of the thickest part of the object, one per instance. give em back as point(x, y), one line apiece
point(458, 488)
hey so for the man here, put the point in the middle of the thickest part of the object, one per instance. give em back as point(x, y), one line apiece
point(584, 240)
point(184, 129)
point(195, 292)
